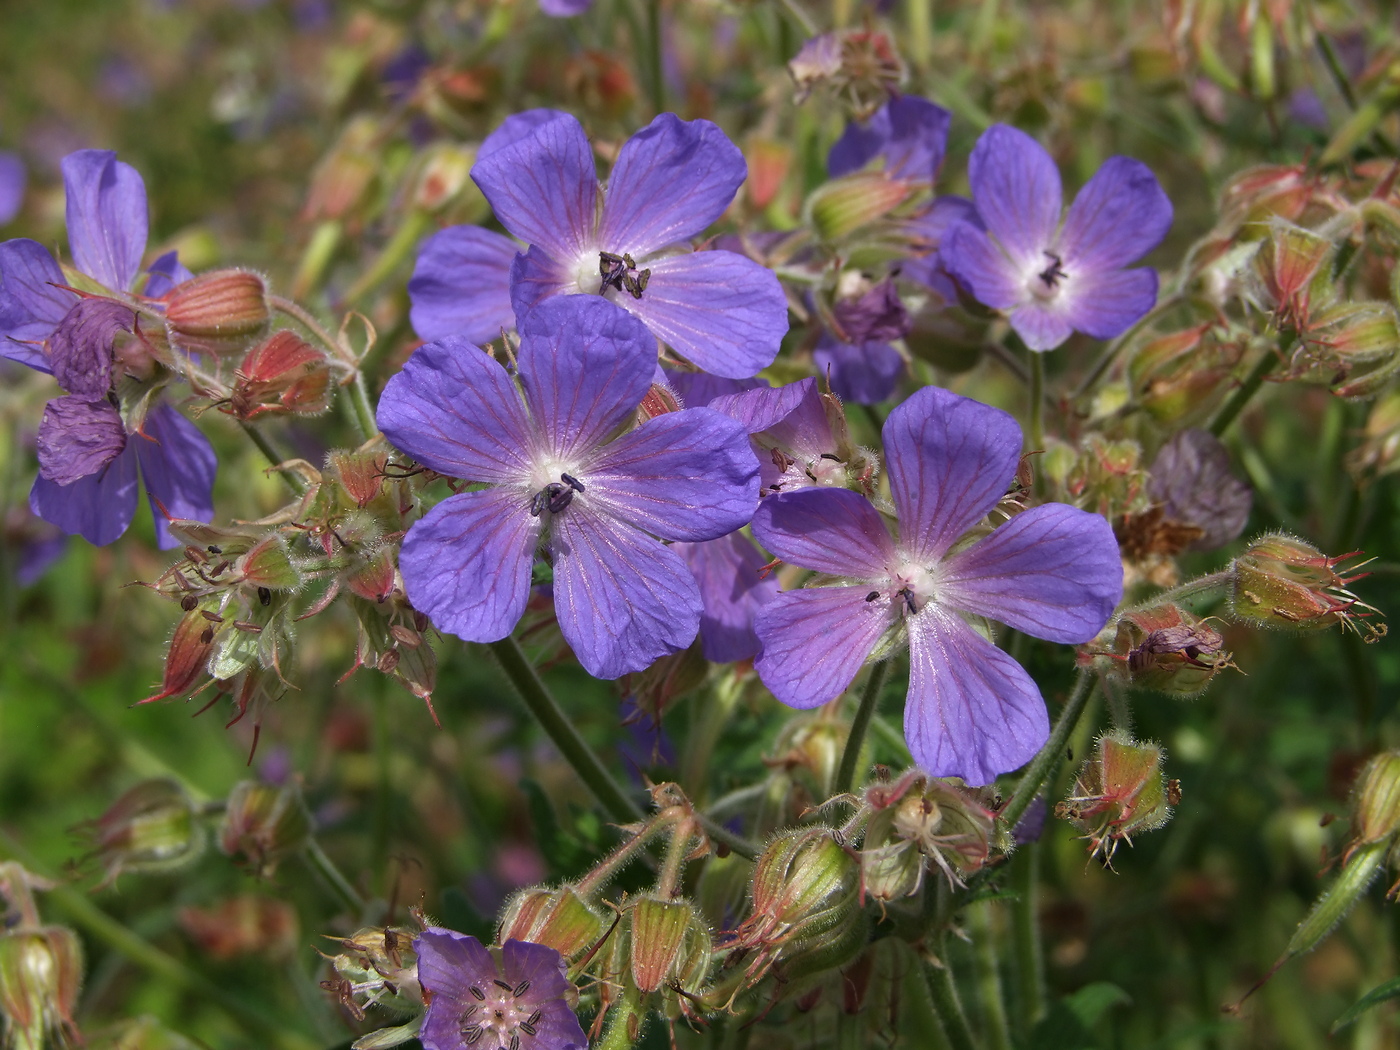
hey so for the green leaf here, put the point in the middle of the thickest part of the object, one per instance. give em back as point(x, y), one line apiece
point(1373, 998)
point(1069, 1024)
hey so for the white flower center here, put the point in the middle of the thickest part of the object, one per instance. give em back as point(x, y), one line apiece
point(1047, 282)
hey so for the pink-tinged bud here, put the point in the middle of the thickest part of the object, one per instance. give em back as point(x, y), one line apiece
point(1375, 801)
point(246, 925)
point(41, 973)
point(1168, 650)
point(151, 828)
point(443, 176)
point(377, 966)
point(374, 580)
point(1353, 347)
point(657, 401)
point(1174, 376)
point(558, 919)
point(769, 164)
point(1260, 194)
point(670, 945)
point(1121, 791)
point(1284, 582)
point(269, 564)
point(185, 661)
point(216, 311)
point(842, 206)
point(1287, 264)
point(601, 82)
point(361, 474)
point(283, 375)
point(343, 178)
point(263, 824)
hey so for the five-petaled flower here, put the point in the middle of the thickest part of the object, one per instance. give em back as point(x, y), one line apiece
point(1053, 572)
point(1055, 279)
point(88, 462)
point(512, 998)
point(558, 473)
point(722, 311)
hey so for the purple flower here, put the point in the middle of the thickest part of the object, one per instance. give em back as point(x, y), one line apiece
point(672, 179)
point(1191, 479)
point(909, 133)
point(867, 373)
point(556, 476)
point(564, 8)
point(731, 592)
point(1052, 572)
point(1053, 278)
point(513, 998)
point(11, 186)
point(88, 462)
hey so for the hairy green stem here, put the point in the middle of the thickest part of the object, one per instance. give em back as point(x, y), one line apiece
point(624, 1022)
point(1200, 587)
point(1267, 362)
point(920, 15)
point(275, 459)
point(555, 723)
point(1025, 936)
point(855, 740)
point(318, 861)
point(359, 403)
point(707, 723)
point(945, 1002)
point(988, 970)
point(1048, 757)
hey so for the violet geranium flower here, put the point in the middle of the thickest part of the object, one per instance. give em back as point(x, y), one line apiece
point(88, 462)
point(513, 998)
point(724, 312)
point(1053, 572)
point(556, 476)
point(1052, 278)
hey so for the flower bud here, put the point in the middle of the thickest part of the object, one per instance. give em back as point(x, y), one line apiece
point(1286, 265)
point(269, 564)
point(558, 919)
point(219, 310)
point(264, 824)
point(1170, 651)
point(1118, 793)
point(360, 473)
point(41, 972)
point(670, 945)
point(1284, 582)
point(443, 176)
point(842, 206)
point(190, 648)
point(377, 966)
point(891, 872)
point(152, 827)
point(658, 401)
point(1379, 451)
point(283, 375)
point(1376, 799)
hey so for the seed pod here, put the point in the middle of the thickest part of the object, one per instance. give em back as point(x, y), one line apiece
point(1281, 581)
point(152, 827)
point(41, 973)
point(283, 375)
point(185, 661)
point(670, 944)
point(263, 824)
point(1376, 799)
point(1120, 791)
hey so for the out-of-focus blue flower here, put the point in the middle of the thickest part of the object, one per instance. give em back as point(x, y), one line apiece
point(476, 998)
point(672, 179)
point(909, 133)
point(1056, 278)
point(1053, 572)
point(553, 477)
point(12, 179)
point(564, 8)
point(88, 462)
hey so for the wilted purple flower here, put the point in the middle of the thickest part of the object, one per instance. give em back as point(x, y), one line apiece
point(11, 186)
point(1052, 572)
point(672, 179)
point(1191, 479)
point(910, 134)
point(732, 588)
point(511, 998)
point(1053, 278)
point(88, 462)
point(553, 476)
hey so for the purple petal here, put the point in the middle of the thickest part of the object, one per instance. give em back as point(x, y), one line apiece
point(517, 127)
point(622, 598)
point(672, 179)
point(30, 305)
point(466, 564)
point(12, 179)
point(535, 277)
point(972, 711)
point(1044, 326)
point(564, 8)
point(107, 225)
point(732, 591)
point(539, 964)
point(815, 641)
point(835, 531)
point(544, 188)
point(1053, 572)
point(875, 316)
point(721, 311)
point(949, 459)
point(1105, 305)
point(164, 274)
point(37, 555)
point(762, 408)
point(687, 475)
point(585, 365)
point(973, 258)
point(461, 285)
point(78, 437)
point(449, 963)
point(454, 409)
point(98, 507)
point(698, 389)
point(1016, 188)
point(1191, 478)
point(178, 466)
point(1119, 216)
point(866, 374)
point(910, 132)
point(80, 348)
point(557, 1029)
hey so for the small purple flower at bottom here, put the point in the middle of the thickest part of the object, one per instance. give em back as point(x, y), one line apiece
point(1053, 572)
point(556, 476)
point(1055, 279)
point(514, 999)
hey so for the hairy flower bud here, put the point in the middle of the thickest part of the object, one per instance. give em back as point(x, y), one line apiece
point(152, 827)
point(190, 648)
point(263, 824)
point(1119, 792)
point(1286, 265)
point(1167, 650)
point(1285, 582)
point(283, 375)
point(218, 311)
point(842, 206)
point(41, 972)
point(670, 945)
point(558, 919)
point(1376, 799)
